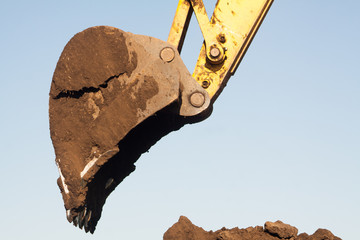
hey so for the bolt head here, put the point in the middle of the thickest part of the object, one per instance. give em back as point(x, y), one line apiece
point(205, 84)
point(167, 54)
point(221, 38)
point(215, 52)
point(197, 99)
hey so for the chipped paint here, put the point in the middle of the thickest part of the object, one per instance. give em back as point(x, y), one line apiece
point(92, 162)
point(66, 189)
point(88, 166)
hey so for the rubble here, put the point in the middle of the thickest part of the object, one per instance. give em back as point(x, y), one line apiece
point(184, 229)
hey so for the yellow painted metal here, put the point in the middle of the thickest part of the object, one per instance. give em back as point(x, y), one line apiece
point(236, 22)
point(180, 24)
point(231, 29)
point(209, 33)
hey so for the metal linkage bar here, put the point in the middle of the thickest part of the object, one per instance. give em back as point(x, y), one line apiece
point(227, 36)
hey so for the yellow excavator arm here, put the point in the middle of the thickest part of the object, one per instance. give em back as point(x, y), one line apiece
point(227, 36)
point(114, 94)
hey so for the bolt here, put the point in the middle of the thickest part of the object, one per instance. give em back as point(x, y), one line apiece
point(167, 54)
point(205, 84)
point(221, 38)
point(197, 99)
point(215, 52)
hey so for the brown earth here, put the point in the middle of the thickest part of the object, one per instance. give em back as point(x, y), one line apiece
point(185, 230)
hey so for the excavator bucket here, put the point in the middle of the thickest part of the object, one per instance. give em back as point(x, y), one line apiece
point(114, 94)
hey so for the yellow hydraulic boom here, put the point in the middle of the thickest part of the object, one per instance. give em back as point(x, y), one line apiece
point(227, 36)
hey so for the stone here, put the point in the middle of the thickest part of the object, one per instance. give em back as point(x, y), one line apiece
point(281, 229)
point(185, 230)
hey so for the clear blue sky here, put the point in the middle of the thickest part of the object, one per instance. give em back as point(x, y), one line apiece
point(283, 142)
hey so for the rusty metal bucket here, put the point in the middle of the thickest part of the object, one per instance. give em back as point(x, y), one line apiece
point(113, 95)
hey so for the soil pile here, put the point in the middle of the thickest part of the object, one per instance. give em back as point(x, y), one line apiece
point(185, 230)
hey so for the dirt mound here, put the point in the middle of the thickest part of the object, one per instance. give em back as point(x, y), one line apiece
point(185, 230)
